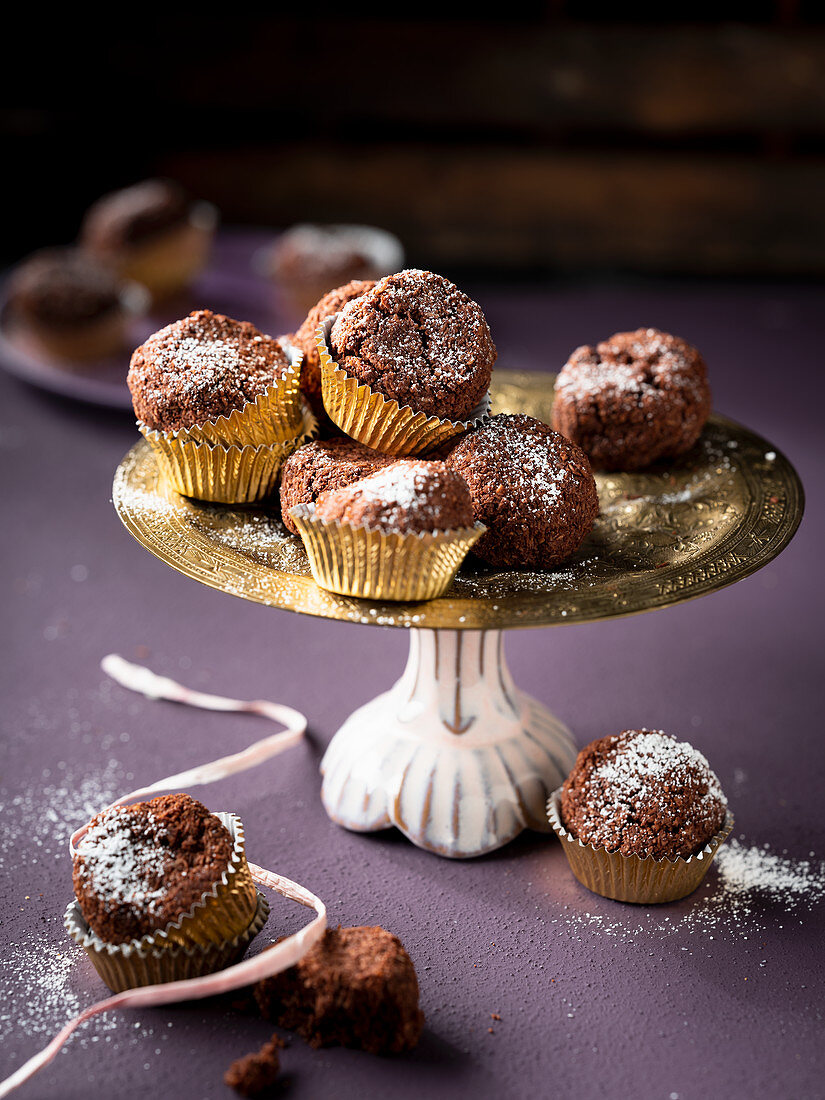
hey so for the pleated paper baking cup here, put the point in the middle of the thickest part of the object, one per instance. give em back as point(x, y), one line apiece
point(359, 561)
point(224, 474)
point(639, 879)
point(128, 966)
point(221, 913)
point(376, 421)
point(275, 416)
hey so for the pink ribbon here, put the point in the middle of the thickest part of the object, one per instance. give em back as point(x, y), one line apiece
point(275, 959)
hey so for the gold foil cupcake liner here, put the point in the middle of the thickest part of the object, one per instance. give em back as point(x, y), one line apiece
point(128, 966)
point(364, 562)
point(224, 474)
point(376, 421)
point(276, 416)
point(222, 912)
point(642, 880)
point(208, 932)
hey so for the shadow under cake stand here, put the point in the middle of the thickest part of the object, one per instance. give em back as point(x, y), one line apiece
point(455, 755)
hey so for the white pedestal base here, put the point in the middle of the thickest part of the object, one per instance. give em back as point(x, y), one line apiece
point(454, 755)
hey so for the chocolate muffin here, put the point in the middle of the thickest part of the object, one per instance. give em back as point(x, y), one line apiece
point(633, 399)
point(356, 988)
point(417, 339)
point(304, 338)
point(643, 793)
point(67, 305)
point(140, 867)
point(202, 367)
point(151, 232)
point(321, 466)
point(407, 496)
point(308, 260)
point(532, 488)
point(133, 215)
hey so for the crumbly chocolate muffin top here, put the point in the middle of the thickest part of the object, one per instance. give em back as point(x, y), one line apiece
point(642, 792)
point(633, 399)
point(356, 987)
point(304, 338)
point(324, 465)
point(532, 488)
point(142, 866)
point(255, 1074)
point(62, 288)
point(202, 367)
point(133, 215)
point(404, 497)
point(418, 339)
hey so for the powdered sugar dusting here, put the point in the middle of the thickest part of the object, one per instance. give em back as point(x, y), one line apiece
point(123, 865)
point(534, 460)
point(48, 980)
point(642, 762)
point(645, 793)
point(204, 350)
point(759, 870)
point(37, 822)
point(747, 890)
point(47, 985)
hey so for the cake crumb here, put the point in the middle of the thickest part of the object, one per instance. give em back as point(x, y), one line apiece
point(255, 1073)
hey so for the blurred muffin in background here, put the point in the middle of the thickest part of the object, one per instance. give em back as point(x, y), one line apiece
point(153, 233)
point(63, 305)
point(307, 261)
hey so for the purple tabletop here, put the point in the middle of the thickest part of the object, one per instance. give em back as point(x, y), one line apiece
point(531, 986)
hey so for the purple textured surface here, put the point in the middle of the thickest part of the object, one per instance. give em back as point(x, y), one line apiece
point(595, 998)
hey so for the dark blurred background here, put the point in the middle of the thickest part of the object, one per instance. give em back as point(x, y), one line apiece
point(564, 138)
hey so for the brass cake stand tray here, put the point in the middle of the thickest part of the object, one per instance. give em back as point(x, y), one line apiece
point(455, 755)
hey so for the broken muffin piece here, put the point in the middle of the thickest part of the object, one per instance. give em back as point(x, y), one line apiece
point(357, 987)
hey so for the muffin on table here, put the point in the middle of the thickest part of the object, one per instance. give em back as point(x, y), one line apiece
point(305, 338)
point(163, 890)
point(152, 233)
point(642, 814)
point(218, 400)
point(531, 488)
point(308, 260)
point(633, 399)
point(399, 533)
point(321, 466)
point(64, 305)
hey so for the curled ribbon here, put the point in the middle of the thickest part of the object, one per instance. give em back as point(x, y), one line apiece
point(275, 959)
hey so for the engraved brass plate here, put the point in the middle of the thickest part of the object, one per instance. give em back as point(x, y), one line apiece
point(670, 533)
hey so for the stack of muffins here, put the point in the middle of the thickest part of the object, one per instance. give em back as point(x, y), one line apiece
point(640, 817)
point(399, 368)
point(411, 472)
point(163, 891)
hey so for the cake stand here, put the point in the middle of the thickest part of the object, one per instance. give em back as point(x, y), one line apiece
point(455, 755)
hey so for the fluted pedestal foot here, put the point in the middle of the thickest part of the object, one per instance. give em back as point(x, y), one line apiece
point(454, 755)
